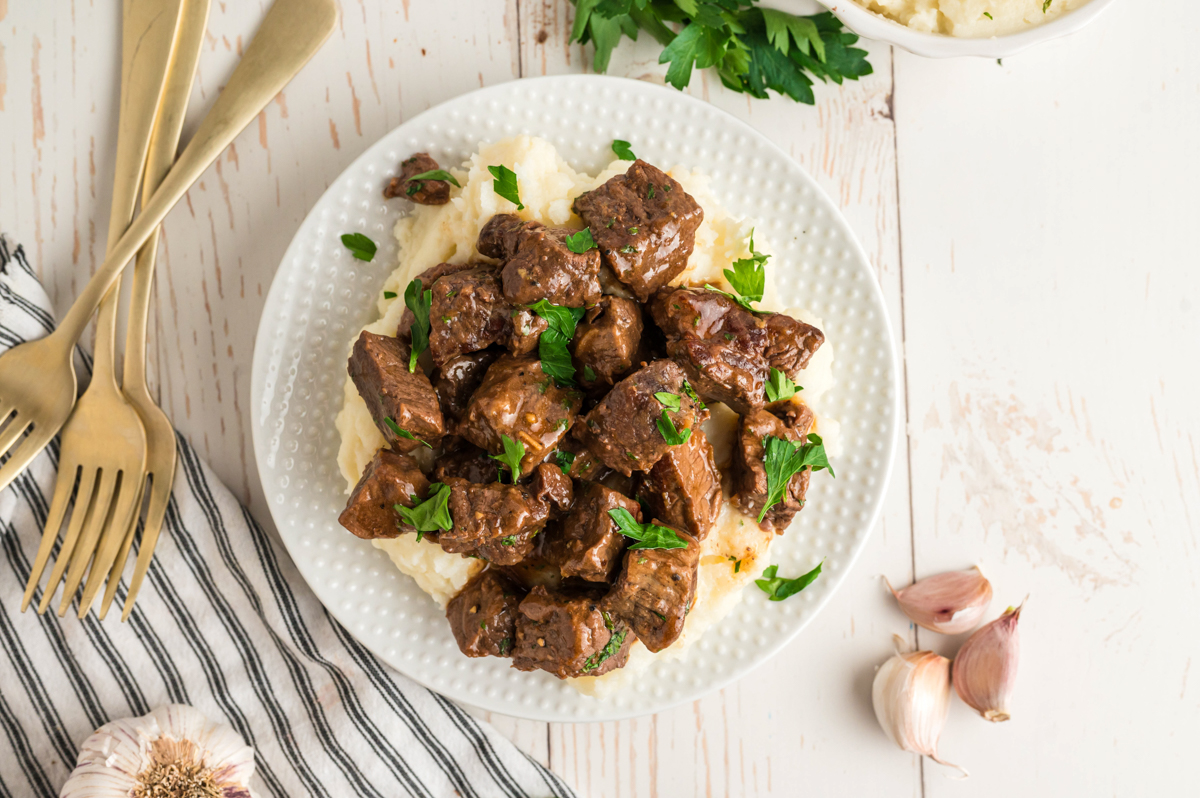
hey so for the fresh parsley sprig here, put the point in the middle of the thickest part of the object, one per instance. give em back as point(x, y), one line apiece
point(419, 302)
point(780, 386)
point(783, 459)
point(622, 150)
point(753, 49)
point(610, 648)
point(360, 246)
point(565, 460)
point(514, 451)
point(553, 344)
point(504, 183)
point(581, 242)
point(748, 278)
point(431, 514)
point(648, 536)
point(668, 400)
point(403, 433)
point(433, 174)
point(670, 434)
point(777, 588)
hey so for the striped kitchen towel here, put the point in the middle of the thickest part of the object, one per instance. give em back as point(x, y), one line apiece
point(224, 623)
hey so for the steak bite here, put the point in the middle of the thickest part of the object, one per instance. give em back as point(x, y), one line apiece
point(379, 368)
point(607, 339)
point(684, 487)
point(655, 590)
point(455, 381)
point(389, 479)
point(589, 544)
point(466, 461)
point(584, 464)
point(622, 431)
point(469, 313)
point(568, 635)
point(791, 343)
point(492, 513)
point(483, 616)
point(427, 278)
point(527, 329)
point(552, 487)
point(425, 192)
point(517, 399)
point(644, 224)
point(538, 264)
point(750, 475)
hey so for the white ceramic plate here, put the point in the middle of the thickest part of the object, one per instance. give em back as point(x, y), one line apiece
point(321, 297)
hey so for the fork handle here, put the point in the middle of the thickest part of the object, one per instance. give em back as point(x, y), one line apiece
point(289, 36)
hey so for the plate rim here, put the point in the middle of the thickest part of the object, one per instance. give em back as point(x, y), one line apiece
point(533, 712)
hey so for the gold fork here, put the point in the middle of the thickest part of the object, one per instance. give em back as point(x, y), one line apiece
point(160, 434)
point(103, 443)
point(37, 379)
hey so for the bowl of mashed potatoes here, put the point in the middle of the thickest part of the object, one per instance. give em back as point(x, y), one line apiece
point(947, 28)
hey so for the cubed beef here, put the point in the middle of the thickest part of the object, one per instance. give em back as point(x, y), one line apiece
point(427, 278)
point(466, 461)
point(791, 343)
point(457, 379)
point(623, 429)
point(584, 464)
point(538, 264)
point(493, 512)
point(551, 486)
point(607, 340)
point(483, 616)
point(510, 549)
point(468, 314)
point(655, 590)
point(720, 345)
point(568, 635)
point(684, 487)
point(588, 543)
point(527, 329)
point(645, 226)
point(389, 479)
point(517, 399)
point(379, 368)
point(750, 476)
point(425, 192)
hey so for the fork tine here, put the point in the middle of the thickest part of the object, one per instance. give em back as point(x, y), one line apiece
point(58, 510)
point(11, 433)
point(129, 496)
point(25, 453)
point(118, 566)
point(160, 497)
point(83, 504)
point(97, 518)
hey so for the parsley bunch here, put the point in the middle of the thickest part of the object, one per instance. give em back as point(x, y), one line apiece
point(753, 49)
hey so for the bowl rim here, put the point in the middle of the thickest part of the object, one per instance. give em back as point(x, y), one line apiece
point(871, 25)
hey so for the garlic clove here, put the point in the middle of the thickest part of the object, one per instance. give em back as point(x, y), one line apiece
point(949, 603)
point(985, 669)
point(173, 750)
point(911, 695)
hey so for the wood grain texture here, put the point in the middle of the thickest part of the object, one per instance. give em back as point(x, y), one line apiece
point(1028, 223)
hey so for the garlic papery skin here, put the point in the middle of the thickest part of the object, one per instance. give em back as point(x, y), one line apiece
point(949, 603)
point(985, 669)
point(173, 751)
point(911, 695)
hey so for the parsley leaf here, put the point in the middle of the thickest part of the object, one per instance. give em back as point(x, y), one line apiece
point(621, 150)
point(780, 387)
point(589, 374)
point(666, 428)
point(778, 588)
point(513, 452)
point(748, 278)
point(389, 294)
point(403, 433)
point(419, 302)
point(552, 345)
point(1046, 6)
point(649, 536)
point(668, 400)
point(432, 514)
point(610, 648)
point(505, 184)
point(565, 460)
point(581, 242)
point(436, 174)
point(360, 246)
point(691, 392)
point(783, 459)
point(506, 646)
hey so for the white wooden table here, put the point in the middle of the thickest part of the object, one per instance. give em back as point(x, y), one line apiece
point(1033, 227)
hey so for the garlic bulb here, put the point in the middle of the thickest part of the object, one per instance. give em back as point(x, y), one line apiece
point(911, 695)
point(173, 751)
point(949, 603)
point(986, 667)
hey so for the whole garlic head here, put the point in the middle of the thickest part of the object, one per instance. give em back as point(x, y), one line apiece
point(173, 751)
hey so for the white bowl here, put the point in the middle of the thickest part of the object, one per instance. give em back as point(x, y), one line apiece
point(870, 25)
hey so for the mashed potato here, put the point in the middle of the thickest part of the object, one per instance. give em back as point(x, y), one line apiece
point(548, 186)
point(971, 19)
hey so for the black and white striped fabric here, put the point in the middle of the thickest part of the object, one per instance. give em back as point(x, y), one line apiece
point(224, 623)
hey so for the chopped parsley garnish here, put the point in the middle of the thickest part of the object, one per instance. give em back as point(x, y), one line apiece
point(581, 242)
point(552, 344)
point(419, 302)
point(691, 392)
point(432, 514)
point(562, 424)
point(505, 184)
point(748, 278)
point(589, 374)
point(1046, 6)
point(780, 387)
point(629, 249)
point(737, 564)
point(513, 452)
point(777, 588)
point(989, 16)
point(650, 193)
point(668, 400)
point(621, 150)
point(434, 174)
point(511, 540)
point(611, 222)
point(661, 617)
point(389, 294)
point(403, 433)
point(648, 536)
point(360, 246)
point(633, 231)
point(610, 648)
point(666, 428)
point(483, 624)
point(565, 460)
point(505, 646)
point(783, 459)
